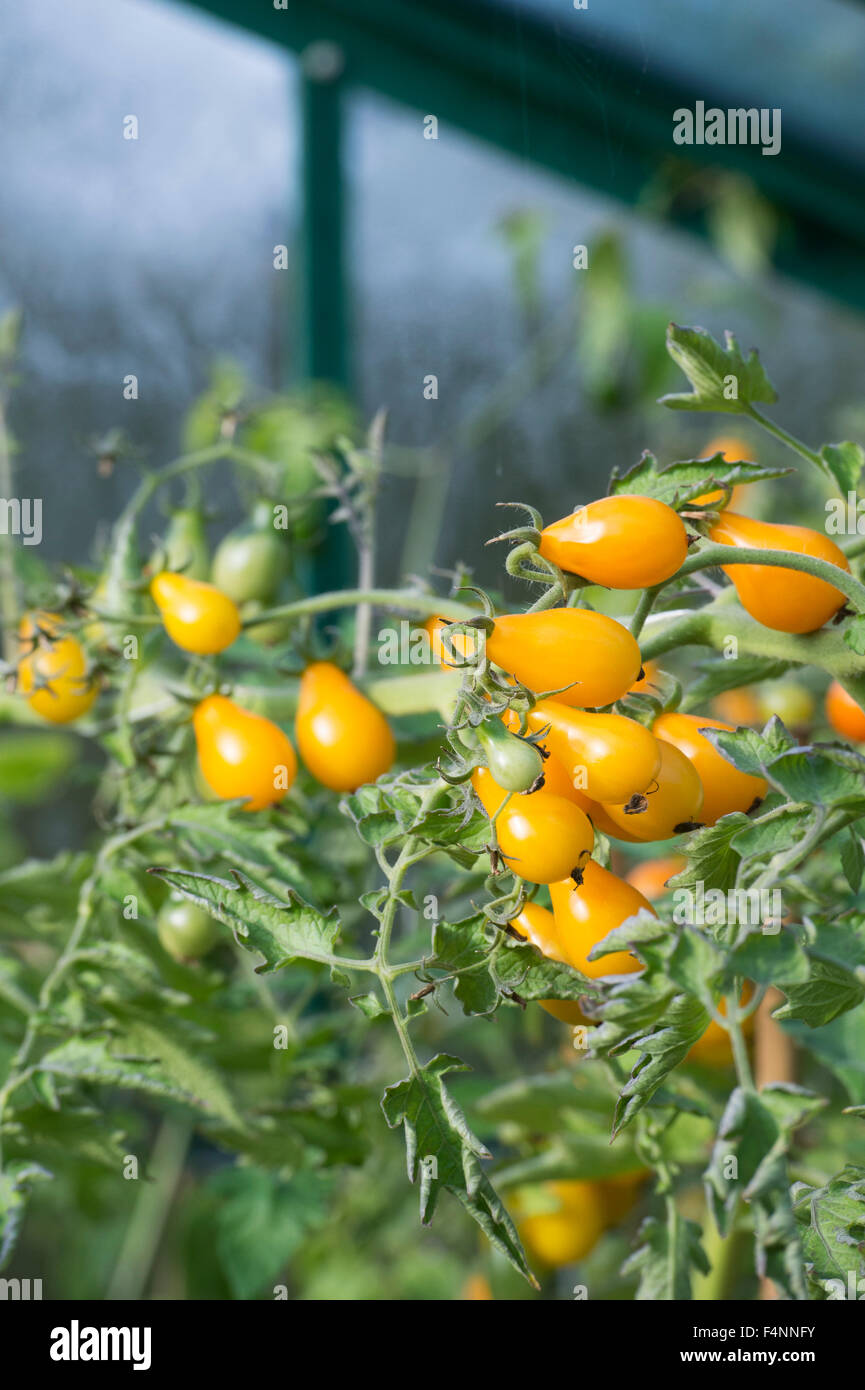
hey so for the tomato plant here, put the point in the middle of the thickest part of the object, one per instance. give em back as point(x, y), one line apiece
point(316, 881)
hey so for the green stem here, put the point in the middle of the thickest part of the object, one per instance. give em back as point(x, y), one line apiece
point(155, 1199)
point(785, 437)
point(424, 605)
point(712, 556)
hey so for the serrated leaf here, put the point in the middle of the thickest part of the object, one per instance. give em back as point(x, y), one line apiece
point(852, 858)
point(370, 1006)
point(280, 930)
point(260, 1221)
point(709, 368)
point(143, 1060)
point(832, 1229)
point(749, 750)
point(749, 1163)
point(664, 1261)
point(16, 1180)
point(821, 774)
point(676, 484)
point(487, 964)
point(844, 462)
point(442, 1149)
point(70, 1134)
point(712, 860)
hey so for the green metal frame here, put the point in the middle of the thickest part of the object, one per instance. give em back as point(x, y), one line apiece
point(540, 93)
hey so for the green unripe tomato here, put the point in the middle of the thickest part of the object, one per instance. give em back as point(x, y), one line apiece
point(515, 764)
point(185, 930)
point(184, 545)
point(793, 703)
point(251, 561)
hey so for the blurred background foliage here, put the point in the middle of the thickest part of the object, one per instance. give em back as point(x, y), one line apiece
point(155, 258)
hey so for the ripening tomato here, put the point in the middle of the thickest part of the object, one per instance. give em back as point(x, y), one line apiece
point(725, 788)
point(592, 655)
point(734, 451)
point(515, 763)
point(52, 669)
point(793, 703)
point(476, 1289)
point(669, 806)
point(560, 1222)
point(242, 754)
point(785, 600)
point(623, 542)
point(198, 617)
point(608, 756)
point(343, 738)
point(541, 837)
point(738, 707)
point(464, 644)
point(557, 781)
point(650, 876)
point(586, 914)
point(185, 930)
point(844, 714)
point(538, 925)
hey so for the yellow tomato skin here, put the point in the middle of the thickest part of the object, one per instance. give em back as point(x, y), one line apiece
point(343, 738)
point(647, 680)
point(845, 716)
point(784, 600)
point(52, 670)
point(725, 788)
point(674, 800)
point(557, 781)
point(607, 755)
point(538, 925)
point(622, 542)
point(650, 877)
point(597, 814)
point(476, 1289)
point(197, 616)
point(586, 914)
point(242, 754)
point(462, 643)
point(541, 837)
point(569, 1230)
point(559, 646)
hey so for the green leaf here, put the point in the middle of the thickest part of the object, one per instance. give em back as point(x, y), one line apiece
point(832, 1222)
point(32, 764)
point(836, 980)
point(261, 1219)
point(715, 372)
point(712, 860)
point(440, 1144)
point(370, 1006)
point(768, 958)
point(144, 1059)
point(826, 774)
point(241, 840)
point(852, 858)
point(679, 483)
point(845, 463)
point(720, 675)
point(489, 965)
point(669, 1252)
point(749, 1163)
point(750, 751)
point(16, 1181)
point(854, 633)
point(72, 1134)
point(281, 931)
